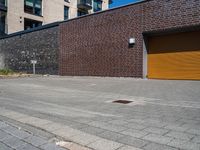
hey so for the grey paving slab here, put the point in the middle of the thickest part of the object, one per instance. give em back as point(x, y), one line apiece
point(180, 135)
point(157, 138)
point(135, 133)
point(131, 141)
point(103, 144)
point(13, 142)
point(128, 148)
point(27, 147)
point(92, 130)
point(16, 132)
point(155, 146)
point(2, 124)
point(196, 139)
point(156, 130)
point(193, 131)
point(135, 125)
point(84, 139)
point(35, 140)
point(50, 146)
point(184, 144)
point(110, 135)
point(4, 136)
point(176, 128)
point(4, 147)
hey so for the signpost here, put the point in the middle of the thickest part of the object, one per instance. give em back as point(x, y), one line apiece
point(33, 62)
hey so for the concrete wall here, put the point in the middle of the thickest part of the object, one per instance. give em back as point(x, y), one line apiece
point(97, 45)
point(18, 50)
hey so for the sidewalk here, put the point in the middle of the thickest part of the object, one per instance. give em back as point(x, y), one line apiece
point(15, 138)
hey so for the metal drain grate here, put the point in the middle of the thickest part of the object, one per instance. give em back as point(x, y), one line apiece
point(122, 101)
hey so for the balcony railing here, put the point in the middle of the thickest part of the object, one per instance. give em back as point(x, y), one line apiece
point(3, 5)
point(85, 4)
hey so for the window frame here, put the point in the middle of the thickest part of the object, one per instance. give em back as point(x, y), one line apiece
point(66, 8)
point(33, 8)
point(96, 3)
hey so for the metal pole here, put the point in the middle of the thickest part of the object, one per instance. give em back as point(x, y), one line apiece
point(33, 68)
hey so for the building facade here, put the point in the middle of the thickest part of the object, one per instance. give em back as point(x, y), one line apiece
point(150, 39)
point(24, 14)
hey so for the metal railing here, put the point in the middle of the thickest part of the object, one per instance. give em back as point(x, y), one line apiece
point(85, 2)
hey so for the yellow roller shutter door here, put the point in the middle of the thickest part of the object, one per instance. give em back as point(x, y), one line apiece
point(175, 56)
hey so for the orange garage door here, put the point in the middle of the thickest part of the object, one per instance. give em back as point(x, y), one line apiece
point(175, 56)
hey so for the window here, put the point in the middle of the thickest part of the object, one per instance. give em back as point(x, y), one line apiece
point(82, 12)
point(97, 5)
point(29, 23)
point(67, 1)
point(33, 7)
point(66, 13)
point(3, 2)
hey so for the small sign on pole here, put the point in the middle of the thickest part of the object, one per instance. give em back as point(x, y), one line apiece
point(33, 62)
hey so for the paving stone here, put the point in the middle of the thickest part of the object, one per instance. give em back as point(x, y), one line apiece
point(193, 131)
point(155, 146)
point(52, 126)
point(176, 128)
point(184, 144)
point(77, 125)
point(126, 147)
point(73, 146)
point(4, 147)
point(27, 147)
point(9, 129)
point(135, 126)
point(35, 140)
point(131, 141)
point(84, 139)
point(180, 135)
point(106, 126)
point(4, 136)
point(67, 132)
point(157, 138)
point(196, 139)
point(34, 121)
point(50, 146)
point(103, 144)
point(155, 130)
point(118, 122)
point(2, 124)
point(92, 130)
point(14, 115)
point(114, 136)
point(13, 142)
point(135, 133)
point(19, 133)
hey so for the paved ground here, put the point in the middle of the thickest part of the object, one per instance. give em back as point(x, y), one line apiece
point(14, 138)
point(164, 115)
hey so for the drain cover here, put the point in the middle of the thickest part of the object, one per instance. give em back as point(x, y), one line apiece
point(122, 101)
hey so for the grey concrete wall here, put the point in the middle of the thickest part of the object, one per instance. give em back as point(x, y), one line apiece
point(17, 51)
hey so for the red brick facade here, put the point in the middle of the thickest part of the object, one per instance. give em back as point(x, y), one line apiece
point(97, 45)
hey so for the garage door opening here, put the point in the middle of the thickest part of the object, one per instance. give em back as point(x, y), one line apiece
point(174, 56)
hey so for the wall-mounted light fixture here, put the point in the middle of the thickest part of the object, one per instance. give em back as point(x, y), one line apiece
point(132, 41)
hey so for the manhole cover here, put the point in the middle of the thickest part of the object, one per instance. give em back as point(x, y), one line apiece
point(122, 101)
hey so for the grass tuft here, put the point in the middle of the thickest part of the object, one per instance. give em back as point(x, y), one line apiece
point(6, 72)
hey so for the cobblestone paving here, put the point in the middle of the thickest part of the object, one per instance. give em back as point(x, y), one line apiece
point(164, 115)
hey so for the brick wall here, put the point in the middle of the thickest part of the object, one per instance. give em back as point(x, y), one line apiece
point(42, 45)
point(97, 45)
